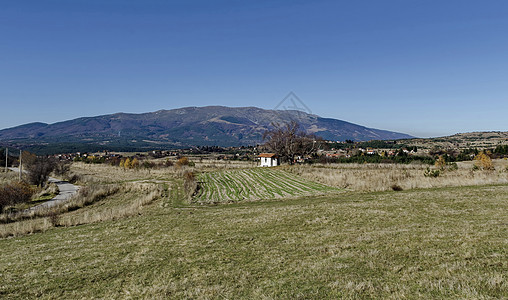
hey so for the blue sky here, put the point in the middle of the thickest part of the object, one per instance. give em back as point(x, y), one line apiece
point(427, 68)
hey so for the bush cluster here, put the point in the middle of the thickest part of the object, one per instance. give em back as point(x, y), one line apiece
point(184, 161)
point(14, 193)
point(190, 183)
point(431, 173)
point(483, 161)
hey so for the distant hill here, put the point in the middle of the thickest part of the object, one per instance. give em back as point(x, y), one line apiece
point(478, 140)
point(189, 126)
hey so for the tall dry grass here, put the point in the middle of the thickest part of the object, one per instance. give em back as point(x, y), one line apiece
point(382, 177)
point(84, 197)
point(147, 193)
point(105, 174)
point(131, 199)
point(25, 227)
point(6, 177)
point(48, 189)
point(211, 165)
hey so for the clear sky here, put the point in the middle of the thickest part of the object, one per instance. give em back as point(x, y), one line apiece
point(427, 68)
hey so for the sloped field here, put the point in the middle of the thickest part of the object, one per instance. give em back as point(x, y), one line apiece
point(254, 184)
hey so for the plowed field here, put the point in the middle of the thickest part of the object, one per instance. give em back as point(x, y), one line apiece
point(254, 184)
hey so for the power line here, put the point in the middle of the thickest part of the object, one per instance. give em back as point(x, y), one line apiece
point(6, 158)
point(20, 164)
point(7, 161)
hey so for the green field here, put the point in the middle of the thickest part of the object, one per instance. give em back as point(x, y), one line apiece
point(254, 184)
point(430, 244)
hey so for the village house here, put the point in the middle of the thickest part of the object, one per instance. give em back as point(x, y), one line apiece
point(371, 151)
point(269, 159)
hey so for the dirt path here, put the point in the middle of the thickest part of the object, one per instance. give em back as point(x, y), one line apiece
point(66, 191)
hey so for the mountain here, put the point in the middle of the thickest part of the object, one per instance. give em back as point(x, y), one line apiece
point(183, 127)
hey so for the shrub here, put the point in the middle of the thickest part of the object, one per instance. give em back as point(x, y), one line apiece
point(62, 167)
point(182, 161)
point(483, 161)
point(168, 163)
point(396, 187)
point(54, 218)
point(73, 178)
point(502, 149)
point(14, 193)
point(440, 162)
point(189, 176)
point(453, 167)
point(135, 163)
point(190, 184)
point(127, 163)
point(431, 173)
point(148, 164)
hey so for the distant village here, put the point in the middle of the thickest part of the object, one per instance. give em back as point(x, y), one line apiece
point(327, 149)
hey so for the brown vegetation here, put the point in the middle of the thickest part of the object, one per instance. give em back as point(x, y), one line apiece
point(182, 161)
point(7, 177)
point(62, 168)
point(288, 141)
point(132, 198)
point(190, 184)
point(39, 170)
point(483, 161)
point(13, 193)
point(381, 177)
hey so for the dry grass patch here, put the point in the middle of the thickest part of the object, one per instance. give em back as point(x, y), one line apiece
point(107, 174)
point(381, 177)
point(7, 177)
point(212, 165)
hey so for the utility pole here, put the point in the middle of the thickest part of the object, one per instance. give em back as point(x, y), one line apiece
point(6, 158)
point(20, 164)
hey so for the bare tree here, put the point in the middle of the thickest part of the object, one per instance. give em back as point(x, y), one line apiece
point(39, 170)
point(288, 141)
point(28, 158)
point(62, 167)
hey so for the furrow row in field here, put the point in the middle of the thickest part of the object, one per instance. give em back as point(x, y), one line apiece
point(285, 186)
point(243, 180)
point(306, 183)
point(289, 184)
point(251, 192)
point(254, 184)
point(294, 182)
point(257, 179)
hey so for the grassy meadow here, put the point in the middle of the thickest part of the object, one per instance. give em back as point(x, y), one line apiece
point(139, 234)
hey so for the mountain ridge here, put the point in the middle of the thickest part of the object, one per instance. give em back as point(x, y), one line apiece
point(186, 126)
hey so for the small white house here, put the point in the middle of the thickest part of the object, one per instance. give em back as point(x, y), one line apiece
point(269, 159)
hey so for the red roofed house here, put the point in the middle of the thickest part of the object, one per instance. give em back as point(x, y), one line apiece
point(269, 159)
